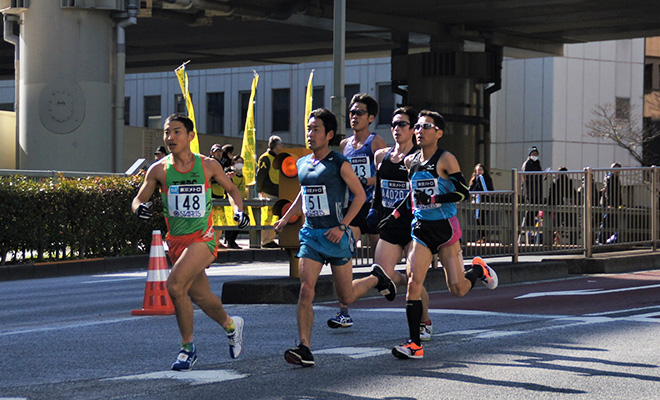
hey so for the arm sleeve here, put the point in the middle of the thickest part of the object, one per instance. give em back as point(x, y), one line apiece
point(460, 193)
point(377, 202)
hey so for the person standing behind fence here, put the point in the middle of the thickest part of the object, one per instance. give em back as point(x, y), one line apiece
point(532, 185)
point(562, 193)
point(480, 182)
point(610, 200)
point(268, 179)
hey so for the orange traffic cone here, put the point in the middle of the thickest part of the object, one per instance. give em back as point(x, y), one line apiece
point(156, 299)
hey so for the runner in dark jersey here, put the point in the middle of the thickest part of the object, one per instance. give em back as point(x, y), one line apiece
point(436, 184)
point(391, 187)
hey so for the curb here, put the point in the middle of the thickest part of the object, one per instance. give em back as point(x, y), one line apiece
point(285, 290)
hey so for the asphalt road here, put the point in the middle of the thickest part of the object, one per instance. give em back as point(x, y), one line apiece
point(590, 337)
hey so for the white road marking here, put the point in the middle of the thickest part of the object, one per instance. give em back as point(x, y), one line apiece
point(66, 326)
point(355, 352)
point(199, 377)
point(585, 292)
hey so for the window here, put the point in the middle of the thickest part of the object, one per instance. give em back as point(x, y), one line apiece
point(349, 92)
point(127, 110)
point(318, 97)
point(281, 110)
point(6, 106)
point(623, 108)
point(244, 100)
point(386, 103)
point(152, 112)
point(180, 104)
point(215, 113)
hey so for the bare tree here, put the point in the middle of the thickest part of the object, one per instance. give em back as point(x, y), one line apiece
point(621, 129)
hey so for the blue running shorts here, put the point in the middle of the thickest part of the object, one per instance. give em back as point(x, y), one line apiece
point(315, 246)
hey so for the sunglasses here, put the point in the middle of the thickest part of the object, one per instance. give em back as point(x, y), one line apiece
point(358, 112)
point(400, 124)
point(425, 125)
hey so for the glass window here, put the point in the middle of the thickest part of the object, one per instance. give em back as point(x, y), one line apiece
point(318, 97)
point(152, 112)
point(6, 106)
point(215, 113)
point(623, 108)
point(385, 103)
point(180, 104)
point(281, 110)
point(244, 99)
point(127, 110)
point(349, 92)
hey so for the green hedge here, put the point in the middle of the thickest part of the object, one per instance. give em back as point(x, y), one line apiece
point(72, 218)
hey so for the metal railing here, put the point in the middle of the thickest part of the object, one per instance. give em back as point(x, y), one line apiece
point(566, 215)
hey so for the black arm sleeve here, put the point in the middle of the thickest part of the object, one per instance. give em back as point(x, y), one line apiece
point(460, 193)
point(377, 202)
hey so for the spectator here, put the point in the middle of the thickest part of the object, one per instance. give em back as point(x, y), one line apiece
point(562, 193)
point(236, 174)
point(227, 155)
point(610, 200)
point(532, 185)
point(480, 182)
point(160, 152)
point(268, 180)
point(216, 152)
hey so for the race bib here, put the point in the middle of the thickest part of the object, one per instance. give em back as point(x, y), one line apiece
point(186, 201)
point(361, 166)
point(315, 201)
point(393, 191)
point(428, 186)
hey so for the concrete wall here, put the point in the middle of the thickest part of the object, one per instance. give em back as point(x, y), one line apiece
point(547, 102)
point(7, 140)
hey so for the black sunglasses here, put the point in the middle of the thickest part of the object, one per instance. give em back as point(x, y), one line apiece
point(425, 125)
point(400, 124)
point(358, 112)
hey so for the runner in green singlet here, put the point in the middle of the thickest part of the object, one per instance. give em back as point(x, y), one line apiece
point(185, 179)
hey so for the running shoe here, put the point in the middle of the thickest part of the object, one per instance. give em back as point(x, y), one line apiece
point(340, 321)
point(300, 355)
point(236, 338)
point(425, 331)
point(408, 350)
point(185, 360)
point(489, 276)
point(385, 285)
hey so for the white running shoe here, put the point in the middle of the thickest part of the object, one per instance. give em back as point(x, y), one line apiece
point(236, 338)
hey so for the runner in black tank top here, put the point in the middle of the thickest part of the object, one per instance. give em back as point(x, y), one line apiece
point(391, 187)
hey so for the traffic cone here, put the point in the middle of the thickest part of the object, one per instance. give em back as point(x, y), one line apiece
point(156, 299)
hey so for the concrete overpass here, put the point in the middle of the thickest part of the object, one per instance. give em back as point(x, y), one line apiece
point(71, 57)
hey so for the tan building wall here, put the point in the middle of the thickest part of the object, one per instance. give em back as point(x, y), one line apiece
point(7, 140)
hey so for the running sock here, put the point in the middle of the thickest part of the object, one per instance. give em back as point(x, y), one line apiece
point(473, 274)
point(414, 314)
point(231, 327)
point(188, 346)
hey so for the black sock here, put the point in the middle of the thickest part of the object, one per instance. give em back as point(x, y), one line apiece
point(473, 274)
point(414, 314)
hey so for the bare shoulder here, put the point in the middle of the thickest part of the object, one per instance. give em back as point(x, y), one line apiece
point(408, 160)
point(380, 154)
point(448, 162)
point(378, 143)
point(156, 170)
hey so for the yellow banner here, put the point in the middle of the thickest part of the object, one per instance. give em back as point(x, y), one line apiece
point(308, 105)
point(249, 147)
point(183, 82)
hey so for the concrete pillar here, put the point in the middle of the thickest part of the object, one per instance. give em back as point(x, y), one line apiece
point(65, 88)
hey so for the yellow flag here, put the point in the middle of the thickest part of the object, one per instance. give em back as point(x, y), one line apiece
point(249, 147)
point(308, 104)
point(183, 81)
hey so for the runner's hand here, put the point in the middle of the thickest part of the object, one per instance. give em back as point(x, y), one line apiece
point(144, 211)
point(422, 198)
point(242, 219)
